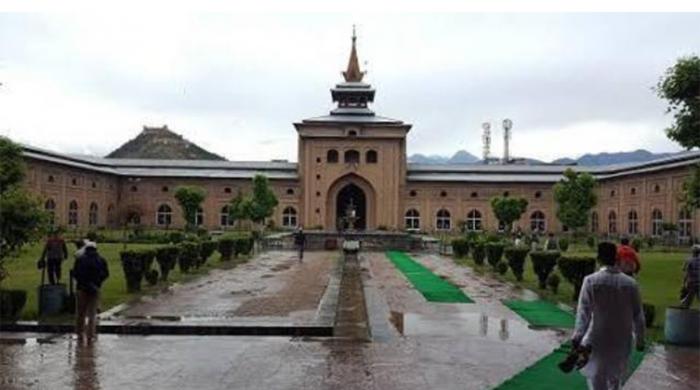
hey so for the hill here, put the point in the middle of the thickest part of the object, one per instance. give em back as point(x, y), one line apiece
point(162, 143)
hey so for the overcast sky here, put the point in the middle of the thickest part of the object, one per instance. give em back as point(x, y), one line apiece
point(571, 83)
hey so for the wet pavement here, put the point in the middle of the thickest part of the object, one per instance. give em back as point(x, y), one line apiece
point(423, 345)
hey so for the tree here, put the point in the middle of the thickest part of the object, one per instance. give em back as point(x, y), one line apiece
point(575, 198)
point(190, 199)
point(680, 86)
point(238, 208)
point(22, 219)
point(508, 210)
point(262, 202)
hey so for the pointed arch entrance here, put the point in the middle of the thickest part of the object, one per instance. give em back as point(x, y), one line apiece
point(351, 189)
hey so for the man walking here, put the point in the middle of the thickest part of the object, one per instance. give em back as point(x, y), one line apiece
point(691, 281)
point(90, 272)
point(609, 313)
point(300, 241)
point(54, 253)
point(627, 258)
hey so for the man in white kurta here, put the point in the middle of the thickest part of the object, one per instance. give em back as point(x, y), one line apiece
point(609, 314)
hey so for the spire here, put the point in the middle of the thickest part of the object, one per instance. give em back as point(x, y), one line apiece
point(353, 73)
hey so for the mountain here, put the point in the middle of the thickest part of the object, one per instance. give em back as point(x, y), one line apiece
point(460, 157)
point(162, 143)
point(639, 155)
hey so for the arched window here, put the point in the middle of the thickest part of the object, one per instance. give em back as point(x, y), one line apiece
point(685, 224)
point(371, 157)
point(164, 215)
point(474, 195)
point(51, 179)
point(538, 221)
point(199, 217)
point(73, 213)
point(657, 188)
point(332, 156)
point(92, 215)
point(289, 217)
point(633, 191)
point(474, 223)
point(594, 222)
point(412, 193)
point(352, 156)
point(443, 220)
point(657, 222)
point(443, 194)
point(290, 191)
point(612, 222)
point(412, 219)
point(50, 207)
point(632, 222)
point(110, 214)
point(538, 194)
point(224, 217)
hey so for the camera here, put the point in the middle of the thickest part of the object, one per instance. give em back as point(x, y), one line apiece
point(577, 358)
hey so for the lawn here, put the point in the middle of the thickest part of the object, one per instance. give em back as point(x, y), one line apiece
point(659, 280)
point(23, 274)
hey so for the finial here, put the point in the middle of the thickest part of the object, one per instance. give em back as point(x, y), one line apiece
point(353, 72)
point(354, 36)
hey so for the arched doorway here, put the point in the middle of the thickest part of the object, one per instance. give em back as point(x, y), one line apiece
point(351, 197)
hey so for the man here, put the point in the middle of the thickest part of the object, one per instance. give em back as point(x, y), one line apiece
point(627, 258)
point(691, 281)
point(55, 251)
point(609, 312)
point(90, 272)
point(300, 241)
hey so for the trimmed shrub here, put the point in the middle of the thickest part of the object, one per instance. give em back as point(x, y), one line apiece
point(188, 256)
point(494, 253)
point(502, 267)
point(226, 248)
point(151, 277)
point(650, 241)
point(460, 247)
point(176, 237)
point(206, 249)
point(11, 304)
point(147, 256)
point(553, 282)
point(636, 243)
point(133, 269)
point(516, 256)
point(243, 246)
point(591, 242)
point(543, 262)
point(479, 252)
point(564, 244)
point(574, 269)
point(166, 256)
point(649, 314)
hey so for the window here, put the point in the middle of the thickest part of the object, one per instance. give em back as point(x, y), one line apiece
point(685, 224)
point(51, 179)
point(110, 214)
point(50, 207)
point(538, 194)
point(657, 188)
point(74, 181)
point(92, 215)
point(289, 217)
point(657, 222)
point(290, 191)
point(474, 195)
point(412, 219)
point(632, 222)
point(165, 189)
point(443, 194)
point(318, 159)
point(224, 217)
point(538, 221)
point(474, 221)
point(443, 220)
point(371, 157)
point(164, 215)
point(633, 191)
point(227, 190)
point(332, 156)
point(506, 194)
point(412, 193)
point(594, 222)
point(199, 217)
point(612, 193)
point(318, 177)
point(612, 222)
point(318, 193)
point(134, 189)
point(352, 157)
point(73, 213)
point(94, 184)
point(352, 133)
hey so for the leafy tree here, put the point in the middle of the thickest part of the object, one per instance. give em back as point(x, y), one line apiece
point(508, 210)
point(262, 202)
point(238, 208)
point(22, 219)
point(575, 198)
point(680, 86)
point(190, 199)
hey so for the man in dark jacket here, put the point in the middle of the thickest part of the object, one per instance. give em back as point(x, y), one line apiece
point(90, 272)
point(54, 253)
point(300, 241)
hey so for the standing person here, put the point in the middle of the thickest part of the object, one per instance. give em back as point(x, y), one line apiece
point(90, 272)
point(691, 281)
point(300, 241)
point(609, 313)
point(627, 258)
point(55, 251)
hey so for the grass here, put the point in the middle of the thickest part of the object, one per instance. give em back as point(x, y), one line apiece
point(660, 281)
point(24, 275)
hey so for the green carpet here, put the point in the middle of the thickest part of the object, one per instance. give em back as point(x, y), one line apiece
point(433, 288)
point(545, 375)
point(542, 313)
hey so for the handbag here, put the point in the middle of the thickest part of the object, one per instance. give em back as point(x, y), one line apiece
point(41, 264)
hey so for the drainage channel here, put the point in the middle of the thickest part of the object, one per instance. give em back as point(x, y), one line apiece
point(351, 316)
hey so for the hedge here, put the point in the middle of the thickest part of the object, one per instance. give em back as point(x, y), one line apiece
point(460, 247)
point(206, 249)
point(166, 256)
point(516, 256)
point(189, 255)
point(543, 262)
point(574, 269)
point(137, 264)
point(479, 252)
point(494, 253)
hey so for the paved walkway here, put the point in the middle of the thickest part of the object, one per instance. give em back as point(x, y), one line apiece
point(427, 346)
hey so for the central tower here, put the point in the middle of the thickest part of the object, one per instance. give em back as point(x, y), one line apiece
point(352, 158)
